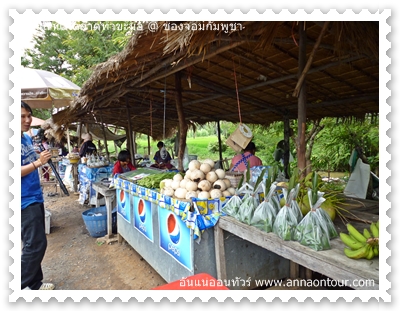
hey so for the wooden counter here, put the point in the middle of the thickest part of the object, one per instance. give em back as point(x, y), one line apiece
point(333, 263)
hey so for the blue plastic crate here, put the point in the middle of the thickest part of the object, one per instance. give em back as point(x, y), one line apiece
point(95, 220)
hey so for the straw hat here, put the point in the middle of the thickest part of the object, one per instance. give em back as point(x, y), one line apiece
point(86, 136)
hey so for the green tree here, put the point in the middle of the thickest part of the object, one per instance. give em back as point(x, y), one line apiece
point(72, 53)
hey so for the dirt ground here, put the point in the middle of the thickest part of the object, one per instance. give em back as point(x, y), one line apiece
point(76, 261)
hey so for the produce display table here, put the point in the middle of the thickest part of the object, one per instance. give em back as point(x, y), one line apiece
point(160, 229)
point(332, 263)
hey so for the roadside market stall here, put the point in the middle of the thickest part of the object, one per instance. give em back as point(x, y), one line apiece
point(257, 73)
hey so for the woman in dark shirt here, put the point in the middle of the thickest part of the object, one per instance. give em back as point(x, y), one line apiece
point(87, 148)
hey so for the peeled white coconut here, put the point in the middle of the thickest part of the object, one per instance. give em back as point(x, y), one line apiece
point(205, 168)
point(204, 195)
point(227, 182)
point(209, 161)
point(226, 193)
point(215, 193)
point(219, 184)
point(220, 173)
point(187, 173)
point(194, 165)
point(175, 184)
point(180, 193)
point(169, 192)
point(197, 175)
point(183, 182)
point(191, 186)
point(231, 190)
point(177, 177)
point(204, 185)
point(212, 176)
point(191, 194)
point(167, 183)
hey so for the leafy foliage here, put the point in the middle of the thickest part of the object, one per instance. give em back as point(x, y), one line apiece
point(73, 53)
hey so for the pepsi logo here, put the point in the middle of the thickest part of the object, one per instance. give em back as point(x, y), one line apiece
point(174, 231)
point(141, 210)
point(122, 198)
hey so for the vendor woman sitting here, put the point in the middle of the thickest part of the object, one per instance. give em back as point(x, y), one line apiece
point(123, 163)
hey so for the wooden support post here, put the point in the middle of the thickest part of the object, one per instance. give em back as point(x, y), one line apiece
point(220, 145)
point(182, 122)
point(294, 270)
point(129, 143)
point(310, 59)
point(105, 138)
point(302, 103)
point(219, 252)
point(286, 155)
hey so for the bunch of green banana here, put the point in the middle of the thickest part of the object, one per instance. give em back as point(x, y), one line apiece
point(361, 245)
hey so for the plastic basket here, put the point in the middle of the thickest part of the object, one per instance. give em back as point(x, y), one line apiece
point(95, 220)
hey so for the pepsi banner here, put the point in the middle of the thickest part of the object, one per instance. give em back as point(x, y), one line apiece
point(143, 217)
point(123, 204)
point(175, 237)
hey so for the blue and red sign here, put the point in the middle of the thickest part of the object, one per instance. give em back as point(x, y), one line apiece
point(175, 237)
point(142, 217)
point(123, 204)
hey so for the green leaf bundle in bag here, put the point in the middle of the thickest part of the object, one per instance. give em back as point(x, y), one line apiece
point(286, 221)
point(294, 206)
point(312, 232)
point(250, 201)
point(265, 213)
point(231, 207)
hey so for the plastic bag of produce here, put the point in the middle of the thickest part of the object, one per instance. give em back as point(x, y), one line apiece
point(316, 227)
point(286, 221)
point(312, 232)
point(251, 199)
point(293, 203)
point(231, 207)
point(247, 208)
point(265, 213)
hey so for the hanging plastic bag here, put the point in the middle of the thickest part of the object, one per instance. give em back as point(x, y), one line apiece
point(312, 231)
point(265, 213)
point(251, 200)
point(231, 207)
point(286, 222)
point(294, 206)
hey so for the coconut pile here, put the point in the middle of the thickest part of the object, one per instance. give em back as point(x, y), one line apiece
point(202, 180)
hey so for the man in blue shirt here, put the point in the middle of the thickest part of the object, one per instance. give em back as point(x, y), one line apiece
point(33, 235)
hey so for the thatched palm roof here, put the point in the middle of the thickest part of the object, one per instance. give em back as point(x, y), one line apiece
point(246, 75)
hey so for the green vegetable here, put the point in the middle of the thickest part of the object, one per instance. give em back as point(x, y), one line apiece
point(153, 181)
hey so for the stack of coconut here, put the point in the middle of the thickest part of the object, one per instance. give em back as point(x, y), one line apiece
point(201, 181)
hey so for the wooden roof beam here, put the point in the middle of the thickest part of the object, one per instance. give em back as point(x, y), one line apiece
point(191, 61)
